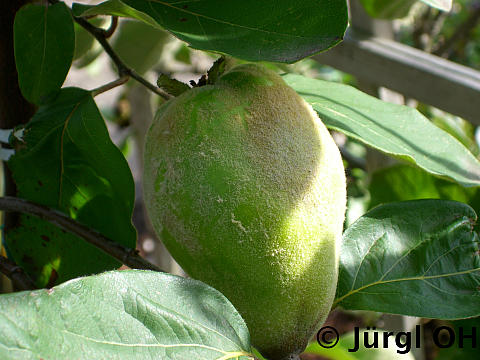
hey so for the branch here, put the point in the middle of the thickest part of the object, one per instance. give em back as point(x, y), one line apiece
point(127, 256)
point(101, 36)
point(110, 85)
point(16, 274)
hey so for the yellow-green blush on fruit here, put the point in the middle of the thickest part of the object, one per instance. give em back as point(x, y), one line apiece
point(246, 188)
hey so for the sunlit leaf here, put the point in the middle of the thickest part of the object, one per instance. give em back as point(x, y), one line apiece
point(397, 130)
point(123, 315)
point(418, 258)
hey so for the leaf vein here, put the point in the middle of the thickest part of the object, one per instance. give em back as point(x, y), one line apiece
point(417, 278)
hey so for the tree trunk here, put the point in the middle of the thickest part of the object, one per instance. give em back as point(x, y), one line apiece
point(14, 109)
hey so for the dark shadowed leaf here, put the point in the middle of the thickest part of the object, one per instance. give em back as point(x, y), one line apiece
point(44, 45)
point(123, 315)
point(68, 162)
point(396, 130)
point(251, 30)
point(418, 258)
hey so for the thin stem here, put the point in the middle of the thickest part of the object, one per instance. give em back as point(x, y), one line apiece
point(123, 69)
point(127, 256)
point(16, 274)
point(110, 85)
point(101, 36)
point(149, 85)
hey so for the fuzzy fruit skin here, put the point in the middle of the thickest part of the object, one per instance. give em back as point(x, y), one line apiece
point(246, 188)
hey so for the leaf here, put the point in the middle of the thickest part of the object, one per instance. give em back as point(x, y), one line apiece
point(44, 42)
point(405, 182)
point(216, 70)
point(418, 258)
point(396, 130)
point(259, 30)
point(460, 129)
point(123, 315)
point(113, 8)
point(171, 86)
point(387, 9)
point(252, 30)
point(68, 162)
point(445, 5)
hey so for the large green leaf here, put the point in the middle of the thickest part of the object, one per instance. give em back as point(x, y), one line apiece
point(68, 162)
point(397, 130)
point(404, 182)
point(460, 129)
point(123, 315)
point(251, 30)
point(418, 258)
point(44, 45)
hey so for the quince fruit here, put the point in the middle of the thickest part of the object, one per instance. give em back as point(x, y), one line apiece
point(246, 187)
